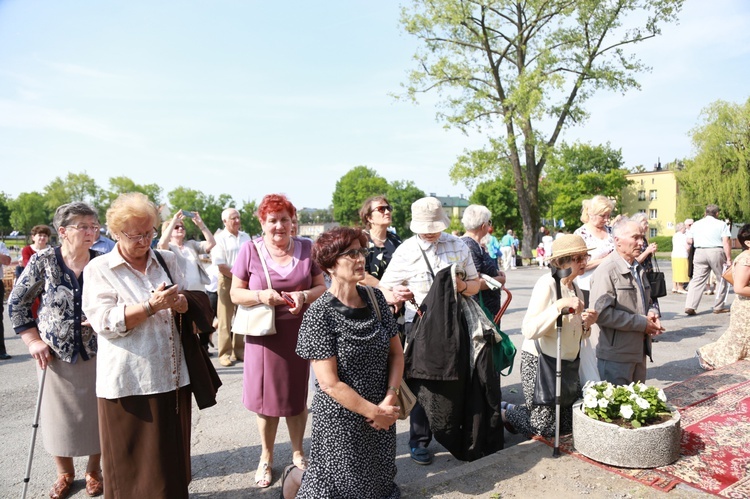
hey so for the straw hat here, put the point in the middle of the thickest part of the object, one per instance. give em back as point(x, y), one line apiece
point(568, 245)
point(428, 217)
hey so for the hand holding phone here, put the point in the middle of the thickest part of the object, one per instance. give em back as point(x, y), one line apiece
point(288, 299)
point(188, 214)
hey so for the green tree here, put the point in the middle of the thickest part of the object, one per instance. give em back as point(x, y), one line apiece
point(120, 185)
point(28, 210)
point(500, 198)
point(401, 194)
point(521, 71)
point(250, 222)
point(720, 171)
point(212, 209)
point(5, 225)
point(352, 189)
point(577, 172)
point(75, 187)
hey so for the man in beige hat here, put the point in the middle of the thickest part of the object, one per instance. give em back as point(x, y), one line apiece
point(409, 276)
point(620, 293)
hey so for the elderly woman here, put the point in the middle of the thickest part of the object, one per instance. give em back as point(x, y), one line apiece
point(477, 222)
point(597, 235)
point(358, 361)
point(62, 342)
point(376, 215)
point(408, 279)
point(188, 253)
point(40, 235)
point(734, 344)
point(540, 332)
point(648, 251)
point(679, 255)
point(142, 380)
point(275, 377)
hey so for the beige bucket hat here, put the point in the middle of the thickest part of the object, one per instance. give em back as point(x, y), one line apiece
point(428, 217)
point(568, 245)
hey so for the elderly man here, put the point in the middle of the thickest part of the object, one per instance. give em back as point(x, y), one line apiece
point(713, 252)
point(228, 243)
point(620, 293)
point(409, 277)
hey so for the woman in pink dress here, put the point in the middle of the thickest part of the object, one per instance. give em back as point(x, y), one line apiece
point(275, 377)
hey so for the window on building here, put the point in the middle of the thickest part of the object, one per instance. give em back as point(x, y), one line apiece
point(652, 195)
point(651, 233)
point(641, 195)
point(652, 214)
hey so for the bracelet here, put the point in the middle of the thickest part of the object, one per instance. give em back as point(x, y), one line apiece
point(257, 296)
point(304, 297)
point(148, 308)
point(394, 389)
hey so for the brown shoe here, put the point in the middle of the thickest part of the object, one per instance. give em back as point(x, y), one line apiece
point(689, 311)
point(61, 488)
point(721, 311)
point(94, 484)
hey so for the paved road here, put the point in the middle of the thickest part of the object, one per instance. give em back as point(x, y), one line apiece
point(225, 445)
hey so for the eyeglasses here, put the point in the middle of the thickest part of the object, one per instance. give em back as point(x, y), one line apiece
point(354, 253)
point(489, 222)
point(148, 236)
point(580, 258)
point(382, 209)
point(85, 228)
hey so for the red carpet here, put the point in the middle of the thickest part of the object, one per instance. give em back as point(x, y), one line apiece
point(715, 447)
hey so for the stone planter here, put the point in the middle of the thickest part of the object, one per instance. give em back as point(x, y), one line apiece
point(646, 447)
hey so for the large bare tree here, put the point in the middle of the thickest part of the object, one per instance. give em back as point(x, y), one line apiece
point(520, 71)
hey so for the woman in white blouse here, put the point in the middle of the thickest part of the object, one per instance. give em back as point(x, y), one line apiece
point(539, 331)
point(142, 380)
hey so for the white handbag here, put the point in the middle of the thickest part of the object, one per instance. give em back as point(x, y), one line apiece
point(257, 320)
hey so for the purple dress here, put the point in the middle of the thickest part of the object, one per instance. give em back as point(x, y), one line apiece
point(274, 376)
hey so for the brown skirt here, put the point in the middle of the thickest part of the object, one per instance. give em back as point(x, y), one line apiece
point(146, 445)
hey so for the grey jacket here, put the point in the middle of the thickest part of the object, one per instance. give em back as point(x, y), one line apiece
point(622, 317)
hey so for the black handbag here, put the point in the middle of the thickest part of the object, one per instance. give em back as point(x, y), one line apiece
point(544, 385)
point(657, 282)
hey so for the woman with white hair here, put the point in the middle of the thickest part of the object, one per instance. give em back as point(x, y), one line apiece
point(477, 222)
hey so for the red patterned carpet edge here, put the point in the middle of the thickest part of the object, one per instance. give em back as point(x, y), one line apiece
point(715, 417)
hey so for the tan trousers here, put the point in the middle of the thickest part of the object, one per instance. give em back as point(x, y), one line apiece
point(230, 345)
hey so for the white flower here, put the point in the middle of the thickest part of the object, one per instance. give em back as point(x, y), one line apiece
point(642, 403)
point(609, 392)
point(603, 403)
point(589, 401)
point(661, 396)
point(630, 387)
point(590, 392)
point(626, 411)
point(588, 385)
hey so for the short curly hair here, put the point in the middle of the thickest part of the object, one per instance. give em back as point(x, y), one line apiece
point(332, 243)
point(41, 229)
point(272, 203)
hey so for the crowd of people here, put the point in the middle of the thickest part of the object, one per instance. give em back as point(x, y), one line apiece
point(353, 307)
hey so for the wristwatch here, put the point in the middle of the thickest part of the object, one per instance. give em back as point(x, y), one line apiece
point(395, 390)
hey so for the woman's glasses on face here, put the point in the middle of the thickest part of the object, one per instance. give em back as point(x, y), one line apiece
point(84, 228)
point(354, 253)
point(383, 209)
point(137, 238)
point(580, 258)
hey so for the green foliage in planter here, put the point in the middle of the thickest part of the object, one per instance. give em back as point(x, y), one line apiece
point(635, 403)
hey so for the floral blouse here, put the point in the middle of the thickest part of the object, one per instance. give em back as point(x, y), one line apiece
point(377, 259)
point(60, 313)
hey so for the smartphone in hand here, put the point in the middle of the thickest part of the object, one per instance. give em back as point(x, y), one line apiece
point(288, 299)
point(188, 214)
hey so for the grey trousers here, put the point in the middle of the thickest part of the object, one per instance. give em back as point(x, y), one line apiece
point(707, 260)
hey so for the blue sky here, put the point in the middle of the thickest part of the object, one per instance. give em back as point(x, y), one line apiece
point(250, 97)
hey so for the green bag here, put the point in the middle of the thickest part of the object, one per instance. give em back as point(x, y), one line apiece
point(504, 352)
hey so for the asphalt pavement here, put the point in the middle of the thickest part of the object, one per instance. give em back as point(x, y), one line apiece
point(226, 448)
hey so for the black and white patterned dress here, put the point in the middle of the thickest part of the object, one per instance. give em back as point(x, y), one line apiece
point(348, 458)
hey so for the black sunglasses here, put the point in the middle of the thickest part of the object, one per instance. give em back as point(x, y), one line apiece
point(354, 253)
point(383, 209)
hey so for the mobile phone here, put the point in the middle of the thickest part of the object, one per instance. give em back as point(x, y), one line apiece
point(288, 299)
point(168, 286)
point(188, 214)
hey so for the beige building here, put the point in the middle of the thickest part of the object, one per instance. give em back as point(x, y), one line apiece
point(453, 206)
point(653, 193)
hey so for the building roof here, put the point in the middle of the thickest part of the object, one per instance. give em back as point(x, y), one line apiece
point(453, 201)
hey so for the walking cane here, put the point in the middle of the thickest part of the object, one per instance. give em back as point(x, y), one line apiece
point(557, 275)
point(34, 427)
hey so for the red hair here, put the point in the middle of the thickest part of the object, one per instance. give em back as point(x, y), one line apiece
point(332, 243)
point(272, 203)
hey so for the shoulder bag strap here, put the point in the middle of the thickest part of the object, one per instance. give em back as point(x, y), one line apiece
point(163, 265)
point(374, 301)
point(263, 262)
point(429, 267)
